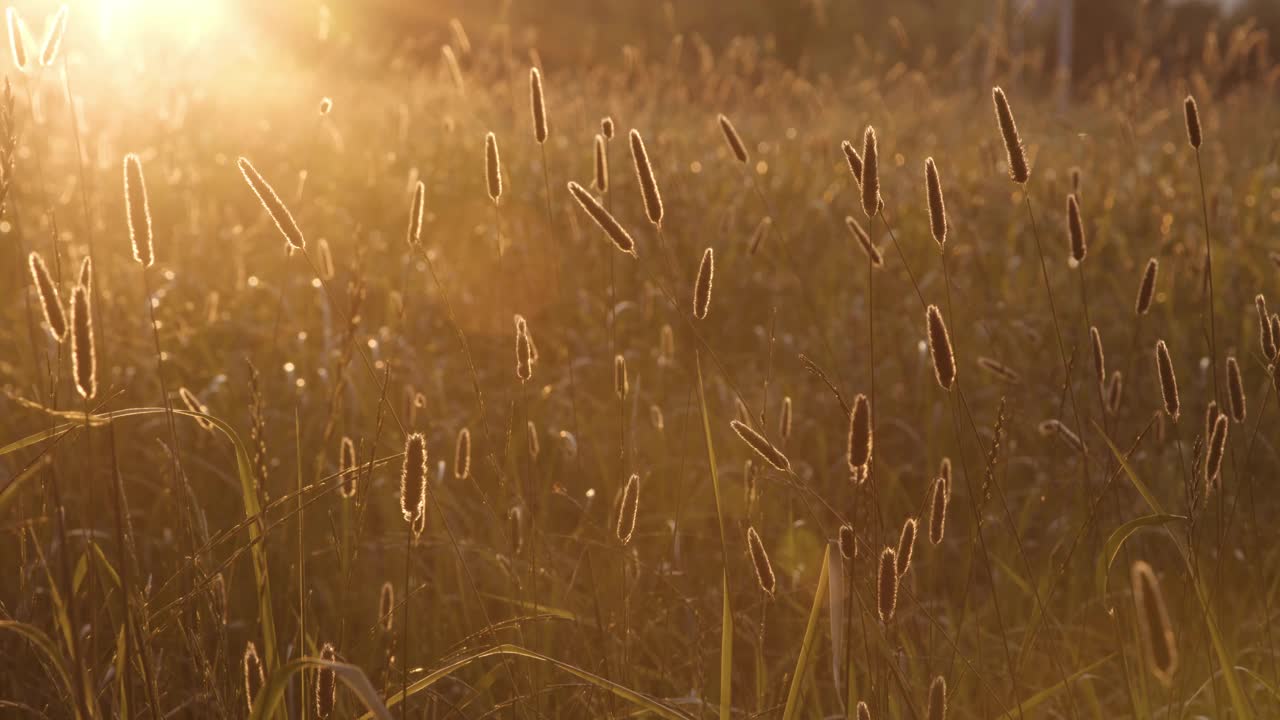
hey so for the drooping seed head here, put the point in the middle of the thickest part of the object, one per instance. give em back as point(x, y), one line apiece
point(938, 501)
point(848, 541)
point(864, 241)
point(194, 405)
point(628, 508)
point(326, 684)
point(492, 167)
point(1235, 386)
point(887, 585)
point(732, 138)
point(1192, 113)
point(462, 455)
point(1147, 289)
point(784, 419)
point(539, 105)
point(1018, 170)
point(138, 210)
point(50, 301)
point(1158, 641)
point(944, 360)
point(601, 181)
point(854, 159)
point(937, 699)
point(937, 208)
point(1099, 358)
point(999, 369)
point(906, 546)
point(861, 439)
point(271, 202)
point(763, 448)
point(347, 467)
point(84, 359)
point(760, 560)
point(413, 477)
point(1075, 230)
point(602, 217)
point(870, 182)
point(254, 677)
point(702, 288)
point(1168, 381)
point(414, 235)
point(1055, 428)
point(621, 385)
point(648, 184)
point(53, 37)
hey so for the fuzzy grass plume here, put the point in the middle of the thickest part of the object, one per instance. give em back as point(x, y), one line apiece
point(602, 217)
point(999, 369)
point(702, 288)
point(1158, 642)
point(864, 241)
point(648, 184)
point(1235, 388)
point(462, 455)
point(906, 545)
point(83, 356)
point(1191, 113)
point(138, 210)
point(870, 180)
point(50, 301)
point(621, 384)
point(937, 207)
point(347, 467)
point(1019, 172)
point(492, 167)
point(1075, 230)
point(538, 104)
point(763, 448)
point(861, 440)
point(272, 203)
point(1168, 381)
point(938, 501)
point(601, 165)
point(413, 477)
point(628, 508)
point(887, 585)
point(944, 360)
point(254, 676)
point(732, 138)
point(414, 234)
point(760, 561)
point(1147, 288)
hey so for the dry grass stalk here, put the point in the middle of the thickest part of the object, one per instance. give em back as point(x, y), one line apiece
point(1056, 428)
point(1217, 450)
point(194, 405)
point(601, 180)
point(999, 369)
point(386, 607)
point(854, 159)
point(1115, 389)
point(937, 699)
point(18, 35)
point(347, 467)
point(53, 37)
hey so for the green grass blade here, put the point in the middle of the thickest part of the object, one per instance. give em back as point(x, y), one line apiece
point(810, 639)
point(726, 611)
point(1038, 698)
point(1117, 540)
point(36, 637)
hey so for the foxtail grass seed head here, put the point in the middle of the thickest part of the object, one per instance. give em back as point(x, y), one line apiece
point(937, 208)
point(760, 560)
point(413, 477)
point(326, 684)
point(414, 235)
point(524, 356)
point(515, 529)
point(702, 288)
point(999, 369)
point(85, 361)
point(887, 585)
point(539, 105)
point(455, 70)
point(386, 606)
point(194, 405)
point(763, 448)
point(1099, 357)
point(1265, 337)
point(1075, 230)
point(531, 437)
point(492, 167)
point(1213, 458)
point(784, 420)
point(1018, 170)
point(1168, 381)
point(18, 35)
point(347, 467)
point(86, 275)
point(49, 299)
point(864, 712)
point(621, 385)
point(860, 433)
point(656, 419)
point(937, 699)
point(870, 181)
point(138, 210)
point(648, 185)
point(864, 241)
point(732, 138)
point(601, 180)
point(420, 518)
point(852, 157)
point(1158, 642)
point(254, 676)
point(848, 541)
point(271, 202)
point(944, 472)
point(1275, 331)
point(1235, 387)
point(53, 38)
point(1055, 428)
point(938, 501)
point(462, 455)
point(906, 545)
point(326, 106)
point(602, 217)
point(628, 508)
point(944, 359)
point(1192, 113)
point(606, 127)
point(1147, 289)
point(1115, 389)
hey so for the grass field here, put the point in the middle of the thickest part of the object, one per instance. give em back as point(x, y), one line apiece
point(359, 400)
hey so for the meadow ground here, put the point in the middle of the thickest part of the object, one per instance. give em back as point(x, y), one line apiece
point(603, 542)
